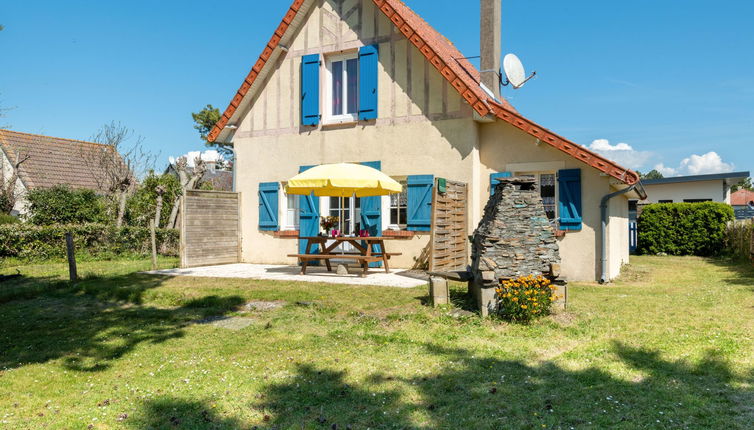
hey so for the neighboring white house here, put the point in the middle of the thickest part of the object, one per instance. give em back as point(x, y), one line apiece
point(690, 189)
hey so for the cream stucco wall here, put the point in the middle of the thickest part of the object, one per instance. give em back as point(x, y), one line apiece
point(505, 148)
point(424, 127)
point(715, 190)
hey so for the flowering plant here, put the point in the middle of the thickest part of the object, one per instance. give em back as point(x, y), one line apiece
point(329, 222)
point(525, 298)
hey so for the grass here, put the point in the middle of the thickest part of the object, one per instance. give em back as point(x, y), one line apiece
point(667, 346)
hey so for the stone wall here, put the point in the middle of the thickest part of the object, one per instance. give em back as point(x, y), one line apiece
point(514, 237)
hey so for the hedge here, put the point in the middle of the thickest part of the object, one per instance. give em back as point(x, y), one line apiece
point(27, 241)
point(684, 228)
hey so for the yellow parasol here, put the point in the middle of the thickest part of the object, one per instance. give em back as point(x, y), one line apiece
point(342, 180)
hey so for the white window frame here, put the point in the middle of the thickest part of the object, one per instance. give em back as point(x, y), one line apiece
point(329, 118)
point(283, 216)
point(404, 181)
point(324, 210)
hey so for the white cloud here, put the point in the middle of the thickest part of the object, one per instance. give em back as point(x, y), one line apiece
point(704, 164)
point(622, 153)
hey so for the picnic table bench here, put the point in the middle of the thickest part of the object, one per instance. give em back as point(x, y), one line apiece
point(364, 245)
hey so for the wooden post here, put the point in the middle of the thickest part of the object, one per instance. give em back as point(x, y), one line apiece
point(154, 244)
point(70, 251)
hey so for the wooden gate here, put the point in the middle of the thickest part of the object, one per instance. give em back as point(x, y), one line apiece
point(449, 239)
point(210, 232)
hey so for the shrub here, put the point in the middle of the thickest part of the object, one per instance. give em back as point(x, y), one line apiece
point(32, 242)
point(63, 205)
point(684, 228)
point(8, 219)
point(740, 235)
point(525, 298)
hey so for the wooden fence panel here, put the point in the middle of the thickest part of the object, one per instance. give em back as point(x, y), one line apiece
point(449, 240)
point(210, 231)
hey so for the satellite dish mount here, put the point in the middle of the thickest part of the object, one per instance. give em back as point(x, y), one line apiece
point(515, 75)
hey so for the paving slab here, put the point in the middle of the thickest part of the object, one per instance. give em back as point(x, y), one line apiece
point(377, 277)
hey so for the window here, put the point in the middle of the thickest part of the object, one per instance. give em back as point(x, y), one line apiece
point(696, 200)
point(343, 86)
point(348, 211)
point(547, 191)
point(398, 206)
point(665, 201)
point(546, 182)
point(292, 212)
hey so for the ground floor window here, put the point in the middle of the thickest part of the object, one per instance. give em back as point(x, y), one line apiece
point(696, 200)
point(547, 189)
point(398, 208)
point(348, 211)
point(292, 212)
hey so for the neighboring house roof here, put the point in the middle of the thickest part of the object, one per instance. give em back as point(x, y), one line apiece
point(53, 160)
point(742, 198)
point(221, 180)
point(460, 73)
point(732, 178)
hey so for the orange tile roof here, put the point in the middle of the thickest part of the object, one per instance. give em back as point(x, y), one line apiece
point(53, 160)
point(741, 197)
point(460, 73)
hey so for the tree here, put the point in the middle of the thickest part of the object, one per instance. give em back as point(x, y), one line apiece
point(190, 179)
point(204, 122)
point(116, 169)
point(144, 204)
point(743, 185)
point(652, 174)
point(9, 188)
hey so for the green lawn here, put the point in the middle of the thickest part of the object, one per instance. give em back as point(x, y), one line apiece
point(668, 346)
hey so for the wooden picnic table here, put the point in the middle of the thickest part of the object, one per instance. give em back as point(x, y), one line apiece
point(364, 245)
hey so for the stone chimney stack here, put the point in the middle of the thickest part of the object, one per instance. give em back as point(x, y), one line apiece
point(490, 29)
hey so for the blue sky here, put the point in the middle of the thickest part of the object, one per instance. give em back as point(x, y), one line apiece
point(666, 79)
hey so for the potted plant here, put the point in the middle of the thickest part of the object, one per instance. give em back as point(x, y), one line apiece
point(328, 224)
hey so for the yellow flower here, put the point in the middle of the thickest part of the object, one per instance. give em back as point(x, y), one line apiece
point(523, 306)
point(515, 299)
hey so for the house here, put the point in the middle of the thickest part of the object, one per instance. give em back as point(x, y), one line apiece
point(49, 161)
point(370, 81)
point(743, 203)
point(690, 189)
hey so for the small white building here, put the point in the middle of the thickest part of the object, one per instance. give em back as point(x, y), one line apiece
point(692, 189)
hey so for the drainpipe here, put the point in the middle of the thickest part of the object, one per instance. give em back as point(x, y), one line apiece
point(603, 229)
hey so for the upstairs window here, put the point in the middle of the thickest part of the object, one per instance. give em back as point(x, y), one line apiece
point(342, 101)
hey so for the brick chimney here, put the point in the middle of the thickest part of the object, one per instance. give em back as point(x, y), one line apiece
point(490, 29)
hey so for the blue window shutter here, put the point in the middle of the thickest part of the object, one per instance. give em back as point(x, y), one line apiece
point(310, 89)
point(268, 206)
point(569, 199)
point(420, 202)
point(368, 59)
point(495, 179)
point(371, 214)
point(308, 217)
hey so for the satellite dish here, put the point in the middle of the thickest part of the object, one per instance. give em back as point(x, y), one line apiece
point(751, 205)
point(514, 71)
